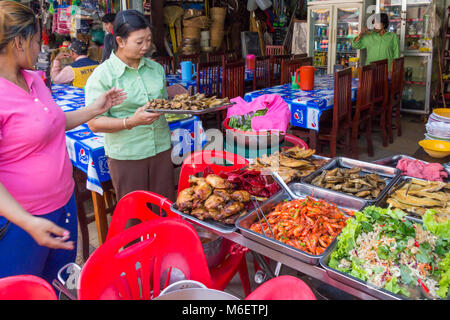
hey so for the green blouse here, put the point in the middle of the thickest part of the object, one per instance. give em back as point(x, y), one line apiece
point(146, 82)
point(379, 47)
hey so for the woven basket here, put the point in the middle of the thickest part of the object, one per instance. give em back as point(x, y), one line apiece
point(197, 22)
point(216, 37)
point(191, 32)
point(218, 15)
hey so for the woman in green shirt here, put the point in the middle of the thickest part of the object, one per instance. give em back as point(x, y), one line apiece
point(379, 43)
point(137, 142)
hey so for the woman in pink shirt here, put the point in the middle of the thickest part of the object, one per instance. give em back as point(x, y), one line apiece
point(37, 206)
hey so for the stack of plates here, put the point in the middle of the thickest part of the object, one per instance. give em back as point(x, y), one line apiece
point(438, 126)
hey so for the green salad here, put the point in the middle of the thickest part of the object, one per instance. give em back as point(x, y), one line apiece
point(381, 247)
point(244, 122)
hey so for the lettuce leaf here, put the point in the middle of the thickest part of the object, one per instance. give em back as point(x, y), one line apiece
point(438, 229)
point(357, 270)
point(394, 287)
point(444, 282)
point(346, 240)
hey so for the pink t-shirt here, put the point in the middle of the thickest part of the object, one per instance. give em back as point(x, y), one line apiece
point(34, 164)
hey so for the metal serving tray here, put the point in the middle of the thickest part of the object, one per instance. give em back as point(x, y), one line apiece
point(392, 161)
point(193, 112)
point(215, 225)
point(388, 173)
point(359, 284)
point(341, 201)
point(398, 184)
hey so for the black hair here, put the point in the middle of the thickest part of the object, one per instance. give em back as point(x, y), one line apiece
point(109, 18)
point(384, 19)
point(128, 21)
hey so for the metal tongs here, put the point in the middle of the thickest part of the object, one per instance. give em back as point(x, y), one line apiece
point(283, 185)
point(267, 273)
point(259, 211)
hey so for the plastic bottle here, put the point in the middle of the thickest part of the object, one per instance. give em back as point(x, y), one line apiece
point(421, 73)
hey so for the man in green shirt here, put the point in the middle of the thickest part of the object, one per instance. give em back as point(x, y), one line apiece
point(379, 43)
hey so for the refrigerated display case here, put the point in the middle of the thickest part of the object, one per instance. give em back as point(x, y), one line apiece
point(410, 25)
point(318, 33)
point(332, 26)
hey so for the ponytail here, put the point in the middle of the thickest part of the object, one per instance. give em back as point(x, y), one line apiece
point(16, 20)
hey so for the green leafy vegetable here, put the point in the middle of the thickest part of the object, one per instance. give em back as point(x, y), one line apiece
point(444, 282)
point(406, 277)
point(439, 229)
point(394, 287)
point(244, 122)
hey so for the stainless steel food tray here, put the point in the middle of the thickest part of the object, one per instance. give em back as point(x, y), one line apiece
point(359, 284)
point(215, 225)
point(398, 184)
point(340, 200)
point(193, 112)
point(314, 156)
point(392, 161)
point(388, 173)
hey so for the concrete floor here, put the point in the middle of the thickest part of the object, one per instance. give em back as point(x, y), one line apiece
point(413, 128)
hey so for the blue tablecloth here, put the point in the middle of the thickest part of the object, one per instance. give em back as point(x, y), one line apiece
point(172, 79)
point(86, 149)
point(306, 106)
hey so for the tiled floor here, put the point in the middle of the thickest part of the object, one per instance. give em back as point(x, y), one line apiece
point(413, 130)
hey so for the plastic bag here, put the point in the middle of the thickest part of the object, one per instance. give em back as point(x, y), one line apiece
point(432, 22)
point(264, 4)
point(251, 5)
point(277, 116)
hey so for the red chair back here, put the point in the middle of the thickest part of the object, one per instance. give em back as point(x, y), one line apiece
point(168, 63)
point(397, 81)
point(135, 205)
point(208, 76)
point(215, 56)
point(380, 83)
point(273, 50)
point(26, 287)
point(233, 77)
point(366, 91)
point(115, 271)
point(282, 288)
point(197, 161)
point(276, 64)
point(262, 75)
point(342, 108)
point(290, 66)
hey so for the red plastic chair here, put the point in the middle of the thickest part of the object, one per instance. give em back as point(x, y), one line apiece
point(134, 205)
point(197, 161)
point(282, 288)
point(26, 287)
point(222, 274)
point(296, 141)
point(113, 272)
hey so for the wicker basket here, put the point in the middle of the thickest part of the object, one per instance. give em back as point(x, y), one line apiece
point(216, 37)
point(198, 22)
point(191, 32)
point(218, 15)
